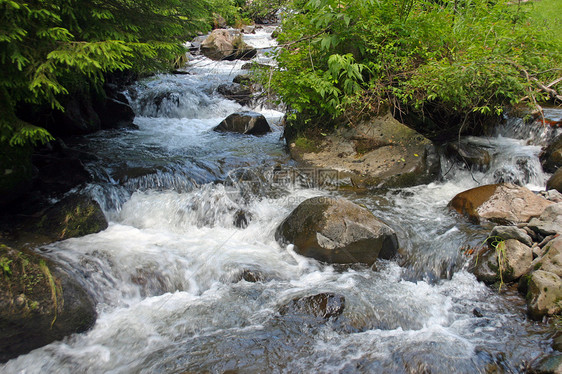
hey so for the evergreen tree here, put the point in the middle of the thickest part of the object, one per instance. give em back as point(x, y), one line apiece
point(47, 46)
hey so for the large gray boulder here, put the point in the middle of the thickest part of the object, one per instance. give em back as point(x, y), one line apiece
point(39, 303)
point(224, 44)
point(247, 122)
point(335, 230)
point(500, 203)
point(512, 232)
point(551, 260)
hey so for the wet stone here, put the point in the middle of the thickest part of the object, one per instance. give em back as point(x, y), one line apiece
point(337, 231)
point(512, 232)
point(323, 305)
point(247, 122)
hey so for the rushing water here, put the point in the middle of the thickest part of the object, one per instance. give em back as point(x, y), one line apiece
point(167, 273)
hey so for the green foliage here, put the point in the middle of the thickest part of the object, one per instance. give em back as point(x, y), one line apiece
point(498, 245)
point(5, 266)
point(45, 44)
point(341, 57)
point(261, 11)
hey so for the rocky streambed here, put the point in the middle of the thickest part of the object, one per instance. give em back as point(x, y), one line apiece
point(217, 253)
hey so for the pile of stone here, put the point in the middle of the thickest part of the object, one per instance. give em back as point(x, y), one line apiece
point(526, 246)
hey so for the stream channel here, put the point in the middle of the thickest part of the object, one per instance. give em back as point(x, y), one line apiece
point(167, 273)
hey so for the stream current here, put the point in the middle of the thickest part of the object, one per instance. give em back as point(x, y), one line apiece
point(167, 273)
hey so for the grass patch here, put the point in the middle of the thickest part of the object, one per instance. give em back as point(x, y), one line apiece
point(306, 145)
point(548, 14)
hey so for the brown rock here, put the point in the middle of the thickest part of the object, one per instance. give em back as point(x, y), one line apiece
point(501, 203)
point(324, 305)
point(223, 44)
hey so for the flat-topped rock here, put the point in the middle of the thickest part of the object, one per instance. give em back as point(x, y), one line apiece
point(500, 203)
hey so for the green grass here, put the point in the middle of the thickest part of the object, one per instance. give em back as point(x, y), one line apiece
point(547, 13)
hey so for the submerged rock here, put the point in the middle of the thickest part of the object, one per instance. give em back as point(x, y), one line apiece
point(335, 230)
point(39, 303)
point(323, 305)
point(551, 364)
point(247, 122)
point(500, 203)
point(381, 152)
point(471, 155)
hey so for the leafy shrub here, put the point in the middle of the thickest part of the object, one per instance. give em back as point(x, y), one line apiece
point(346, 58)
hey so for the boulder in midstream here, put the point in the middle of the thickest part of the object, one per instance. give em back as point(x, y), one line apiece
point(323, 305)
point(247, 122)
point(335, 230)
point(224, 44)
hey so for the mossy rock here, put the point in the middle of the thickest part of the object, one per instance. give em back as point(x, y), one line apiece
point(377, 152)
point(74, 216)
point(39, 303)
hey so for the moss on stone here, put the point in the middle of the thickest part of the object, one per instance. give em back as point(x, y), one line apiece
point(72, 217)
point(305, 144)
